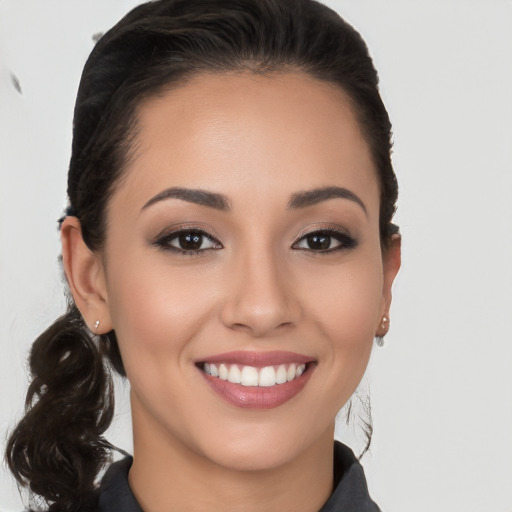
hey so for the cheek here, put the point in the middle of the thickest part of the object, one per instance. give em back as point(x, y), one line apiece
point(346, 305)
point(347, 302)
point(156, 309)
point(157, 313)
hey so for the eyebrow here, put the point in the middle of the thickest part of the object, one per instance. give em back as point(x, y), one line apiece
point(317, 195)
point(197, 196)
point(221, 202)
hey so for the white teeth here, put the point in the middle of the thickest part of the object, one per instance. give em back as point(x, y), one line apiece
point(234, 375)
point(281, 375)
point(251, 376)
point(267, 376)
point(290, 374)
point(223, 372)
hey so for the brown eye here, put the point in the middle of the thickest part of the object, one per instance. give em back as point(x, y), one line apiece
point(188, 242)
point(318, 242)
point(325, 241)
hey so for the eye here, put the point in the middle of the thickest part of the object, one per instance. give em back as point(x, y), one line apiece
point(188, 241)
point(325, 240)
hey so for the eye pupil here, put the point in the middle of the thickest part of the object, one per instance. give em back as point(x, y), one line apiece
point(190, 241)
point(319, 242)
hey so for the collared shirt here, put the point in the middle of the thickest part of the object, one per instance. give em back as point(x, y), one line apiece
point(350, 492)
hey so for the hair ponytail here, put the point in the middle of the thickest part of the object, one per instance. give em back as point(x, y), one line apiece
point(57, 449)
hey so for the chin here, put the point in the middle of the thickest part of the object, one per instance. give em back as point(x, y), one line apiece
point(254, 458)
point(263, 450)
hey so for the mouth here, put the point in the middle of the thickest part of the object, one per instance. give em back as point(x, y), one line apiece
point(257, 380)
point(267, 376)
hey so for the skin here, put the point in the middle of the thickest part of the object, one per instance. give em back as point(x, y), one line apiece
point(257, 140)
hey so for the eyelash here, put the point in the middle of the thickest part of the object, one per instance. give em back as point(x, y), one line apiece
point(346, 241)
point(164, 242)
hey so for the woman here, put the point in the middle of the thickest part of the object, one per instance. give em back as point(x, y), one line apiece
point(229, 248)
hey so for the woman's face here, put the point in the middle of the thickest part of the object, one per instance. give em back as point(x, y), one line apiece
point(245, 235)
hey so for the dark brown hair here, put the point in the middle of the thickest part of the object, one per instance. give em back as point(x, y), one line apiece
point(58, 448)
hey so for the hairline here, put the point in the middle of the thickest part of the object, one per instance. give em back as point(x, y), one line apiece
point(203, 70)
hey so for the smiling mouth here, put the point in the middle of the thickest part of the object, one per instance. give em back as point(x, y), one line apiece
point(257, 380)
point(267, 376)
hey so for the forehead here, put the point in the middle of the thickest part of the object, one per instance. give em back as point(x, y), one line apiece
point(272, 134)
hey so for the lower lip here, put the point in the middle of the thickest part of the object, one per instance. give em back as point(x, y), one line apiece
point(258, 397)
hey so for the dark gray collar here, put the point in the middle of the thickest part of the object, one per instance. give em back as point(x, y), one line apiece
point(350, 488)
point(350, 492)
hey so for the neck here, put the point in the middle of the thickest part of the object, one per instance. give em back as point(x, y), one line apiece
point(167, 476)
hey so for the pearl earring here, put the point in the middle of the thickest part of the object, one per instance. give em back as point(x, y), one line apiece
point(384, 326)
point(96, 325)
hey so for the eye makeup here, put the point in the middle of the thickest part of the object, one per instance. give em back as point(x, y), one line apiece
point(325, 241)
point(190, 240)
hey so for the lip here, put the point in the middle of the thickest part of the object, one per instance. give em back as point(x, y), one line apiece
point(257, 359)
point(256, 397)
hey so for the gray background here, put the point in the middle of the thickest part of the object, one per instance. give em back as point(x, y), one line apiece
point(441, 388)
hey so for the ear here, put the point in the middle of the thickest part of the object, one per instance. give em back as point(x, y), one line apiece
point(391, 261)
point(86, 277)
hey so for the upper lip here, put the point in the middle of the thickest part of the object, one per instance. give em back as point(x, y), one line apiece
point(257, 359)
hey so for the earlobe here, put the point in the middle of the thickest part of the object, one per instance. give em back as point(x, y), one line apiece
point(86, 278)
point(391, 261)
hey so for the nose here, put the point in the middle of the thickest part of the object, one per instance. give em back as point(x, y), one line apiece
point(261, 297)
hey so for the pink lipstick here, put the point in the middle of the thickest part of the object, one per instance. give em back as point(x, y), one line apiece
point(257, 380)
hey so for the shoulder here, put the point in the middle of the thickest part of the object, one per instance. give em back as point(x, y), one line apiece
point(350, 488)
point(114, 493)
